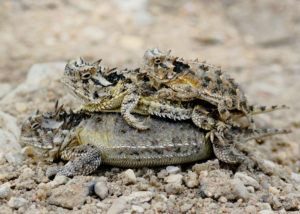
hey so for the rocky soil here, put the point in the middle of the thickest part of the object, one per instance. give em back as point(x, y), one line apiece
point(257, 42)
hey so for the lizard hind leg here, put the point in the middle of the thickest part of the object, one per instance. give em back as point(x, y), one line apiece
point(83, 160)
point(129, 103)
point(228, 154)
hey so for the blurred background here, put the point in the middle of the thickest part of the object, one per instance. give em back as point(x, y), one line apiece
point(237, 35)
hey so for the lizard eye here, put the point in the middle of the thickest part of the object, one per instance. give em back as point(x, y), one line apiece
point(157, 61)
point(86, 76)
point(34, 126)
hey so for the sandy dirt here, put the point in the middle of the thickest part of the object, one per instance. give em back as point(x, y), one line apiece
point(256, 42)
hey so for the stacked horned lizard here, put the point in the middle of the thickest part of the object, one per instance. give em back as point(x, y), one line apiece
point(195, 110)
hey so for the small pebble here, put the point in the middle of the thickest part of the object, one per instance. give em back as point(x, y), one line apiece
point(27, 173)
point(264, 206)
point(203, 174)
point(160, 206)
point(16, 202)
point(239, 189)
point(42, 192)
point(118, 206)
point(250, 209)
point(172, 169)
point(139, 197)
point(69, 195)
point(14, 158)
point(102, 205)
point(174, 188)
point(186, 207)
point(162, 174)
point(58, 180)
point(206, 166)
point(282, 211)
point(269, 167)
point(174, 178)
point(274, 190)
point(222, 199)
point(246, 180)
point(191, 180)
point(5, 190)
point(250, 189)
point(137, 209)
point(129, 177)
point(101, 189)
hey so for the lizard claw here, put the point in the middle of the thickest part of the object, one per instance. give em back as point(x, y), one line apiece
point(210, 136)
point(139, 125)
point(221, 126)
point(215, 134)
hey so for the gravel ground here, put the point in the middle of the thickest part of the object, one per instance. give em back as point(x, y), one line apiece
point(257, 42)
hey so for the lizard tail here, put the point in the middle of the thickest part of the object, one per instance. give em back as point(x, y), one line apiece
point(259, 109)
point(263, 132)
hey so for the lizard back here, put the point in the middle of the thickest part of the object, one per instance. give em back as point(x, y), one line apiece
point(165, 143)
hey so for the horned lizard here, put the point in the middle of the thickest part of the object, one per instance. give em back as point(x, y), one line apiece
point(186, 80)
point(129, 91)
point(88, 141)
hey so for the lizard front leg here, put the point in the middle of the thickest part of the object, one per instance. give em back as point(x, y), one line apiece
point(202, 120)
point(83, 160)
point(129, 103)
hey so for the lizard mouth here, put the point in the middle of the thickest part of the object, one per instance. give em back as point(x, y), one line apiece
point(81, 93)
point(36, 142)
point(75, 90)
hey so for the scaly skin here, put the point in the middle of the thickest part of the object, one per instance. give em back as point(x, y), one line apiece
point(86, 142)
point(187, 80)
point(127, 92)
point(106, 90)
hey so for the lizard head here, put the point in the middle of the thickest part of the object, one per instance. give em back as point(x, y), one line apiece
point(34, 131)
point(86, 80)
point(47, 132)
point(159, 65)
point(38, 134)
point(155, 57)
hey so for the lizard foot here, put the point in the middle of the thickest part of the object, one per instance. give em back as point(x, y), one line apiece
point(228, 154)
point(85, 160)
